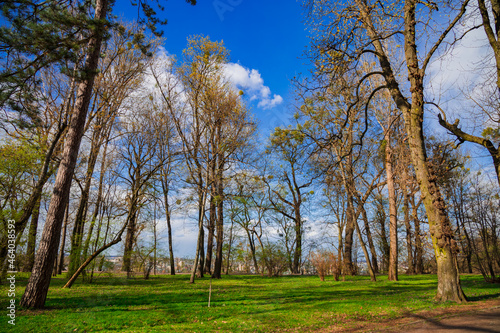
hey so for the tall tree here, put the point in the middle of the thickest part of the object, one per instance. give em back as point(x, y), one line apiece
point(353, 31)
point(290, 194)
point(121, 72)
point(98, 27)
point(36, 290)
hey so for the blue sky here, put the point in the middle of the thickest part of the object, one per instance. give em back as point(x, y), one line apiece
point(268, 37)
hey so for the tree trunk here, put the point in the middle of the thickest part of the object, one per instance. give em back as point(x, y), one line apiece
point(220, 222)
point(365, 251)
point(349, 235)
point(170, 245)
point(199, 243)
point(201, 262)
point(419, 250)
point(393, 214)
point(370, 241)
point(409, 246)
point(129, 240)
point(30, 251)
point(381, 218)
point(211, 230)
point(81, 214)
point(60, 265)
point(229, 248)
point(445, 247)
point(298, 237)
point(166, 189)
point(38, 284)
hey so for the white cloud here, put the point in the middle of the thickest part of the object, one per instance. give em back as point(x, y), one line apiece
point(270, 103)
point(252, 83)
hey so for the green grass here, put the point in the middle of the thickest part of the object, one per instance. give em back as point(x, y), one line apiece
point(239, 303)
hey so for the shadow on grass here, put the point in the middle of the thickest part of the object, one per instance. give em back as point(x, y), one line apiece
point(482, 297)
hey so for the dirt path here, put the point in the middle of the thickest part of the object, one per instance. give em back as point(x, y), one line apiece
point(487, 320)
point(483, 316)
point(478, 317)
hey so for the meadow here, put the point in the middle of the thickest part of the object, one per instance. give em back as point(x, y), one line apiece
point(239, 303)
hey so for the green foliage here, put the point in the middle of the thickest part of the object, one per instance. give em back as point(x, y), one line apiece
point(19, 165)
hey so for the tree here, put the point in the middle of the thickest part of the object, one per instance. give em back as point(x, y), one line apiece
point(290, 194)
point(121, 73)
point(353, 31)
point(213, 125)
point(37, 288)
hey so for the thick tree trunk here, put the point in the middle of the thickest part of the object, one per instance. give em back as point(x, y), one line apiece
point(38, 284)
point(445, 247)
point(129, 241)
point(442, 237)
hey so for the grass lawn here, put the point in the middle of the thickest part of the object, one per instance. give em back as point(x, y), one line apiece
point(239, 303)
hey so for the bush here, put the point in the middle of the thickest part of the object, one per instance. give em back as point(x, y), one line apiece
point(325, 263)
point(273, 259)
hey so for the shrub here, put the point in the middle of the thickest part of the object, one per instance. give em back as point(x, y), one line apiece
point(325, 263)
point(273, 259)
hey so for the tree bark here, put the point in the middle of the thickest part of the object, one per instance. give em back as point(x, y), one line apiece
point(365, 251)
point(370, 242)
point(199, 243)
point(129, 241)
point(409, 245)
point(211, 231)
point(60, 265)
point(419, 250)
point(393, 215)
point(169, 228)
point(30, 251)
point(220, 221)
point(38, 284)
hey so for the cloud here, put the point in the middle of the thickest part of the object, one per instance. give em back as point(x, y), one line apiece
point(252, 83)
point(270, 103)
